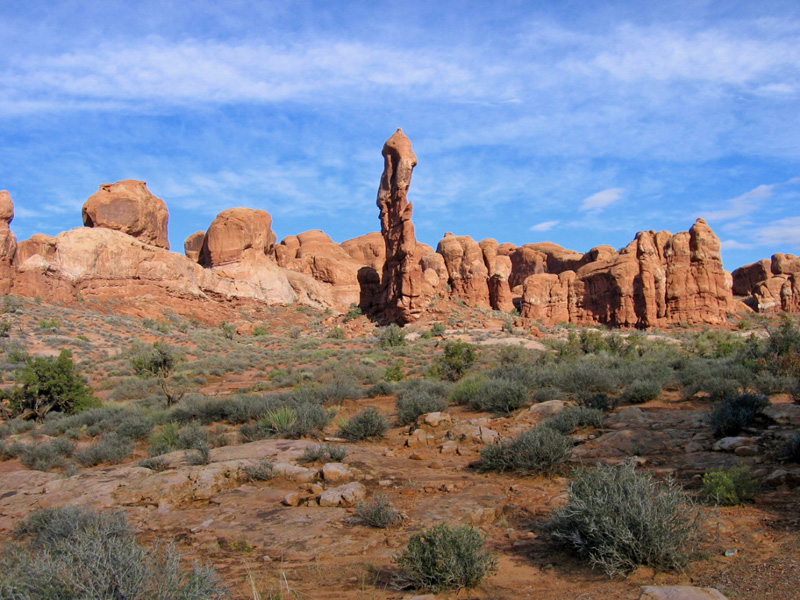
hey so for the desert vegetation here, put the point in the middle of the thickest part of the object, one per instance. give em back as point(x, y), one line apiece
point(425, 420)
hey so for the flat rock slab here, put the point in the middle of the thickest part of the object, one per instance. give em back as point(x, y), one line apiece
point(680, 592)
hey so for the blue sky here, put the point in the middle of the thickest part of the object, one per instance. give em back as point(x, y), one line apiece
point(573, 122)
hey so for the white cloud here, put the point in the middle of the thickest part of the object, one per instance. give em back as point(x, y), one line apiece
point(734, 245)
point(783, 231)
point(544, 226)
point(597, 202)
point(741, 205)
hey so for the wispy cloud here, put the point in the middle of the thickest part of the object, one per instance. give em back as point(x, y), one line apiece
point(544, 226)
point(781, 232)
point(734, 245)
point(600, 200)
point(741, 205)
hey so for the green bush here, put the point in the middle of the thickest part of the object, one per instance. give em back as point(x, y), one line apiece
point(438, 329)
point(445, 558)
point(111, 449)
point(47, 384)
point(369, 423)
point(575, 417)
point(74, 553)
point(729, 487)
point(43, 457)
point(392, 336)
point(456, 360)
point(416, 400)
point(620, 519)
point(735, 413)
point(642, 390)
point(394, 372)
point(164, 441)
point(378, 512)
point(541, 450)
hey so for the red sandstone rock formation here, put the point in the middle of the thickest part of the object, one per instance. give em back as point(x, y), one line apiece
point(233, 233)
point(467, 273)
point(657, 279)
point(8, 242)
point(772, 285)
point(405, 289)
point(128, 206)
point(193, 245)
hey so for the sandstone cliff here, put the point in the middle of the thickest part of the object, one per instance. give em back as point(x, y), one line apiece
point(770, 285)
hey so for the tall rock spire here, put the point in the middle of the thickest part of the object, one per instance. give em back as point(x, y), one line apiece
point(405, 291)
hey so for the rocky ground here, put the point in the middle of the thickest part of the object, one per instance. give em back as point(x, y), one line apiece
point(297, 535)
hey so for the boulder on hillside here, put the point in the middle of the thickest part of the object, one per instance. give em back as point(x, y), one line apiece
point(773, 285)
point(129, 207)
point(233, 232)
point(193, 245)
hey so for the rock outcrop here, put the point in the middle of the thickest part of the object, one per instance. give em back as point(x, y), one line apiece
point(8, 242)
point(236, 233)
point(405, 289)
point(657, 279)
point(770, 285)
point(129, 207)
point(193, 245)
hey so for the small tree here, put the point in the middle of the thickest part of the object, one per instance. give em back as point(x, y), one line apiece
point(161, 361)
point(46, 383)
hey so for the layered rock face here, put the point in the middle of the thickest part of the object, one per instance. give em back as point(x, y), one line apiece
point(8, 242)
point(772, 285)
point(657, 279)
point(129, 207)
point(405, 290)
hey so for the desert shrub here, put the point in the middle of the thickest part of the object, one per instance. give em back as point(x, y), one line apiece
point(324, 453)
point(11, 304)
point(735, 413)
point(111, 449)
point(378, 512)
point(791, 449)
point(228, 330)
point(199, 455)
point(160, 362)
point(165, 440)
point(154, 463)
point(342, 386)
point(46, 456)
point(394, 372)
point(587, 374)
point(619, 519)
point(527, 374)
point(469, 388)
point(599, 401)
point(369, 423)
point(547, 393)
point(729, 487)
point(134, 426)
point(382, 388)
point(445, 558)
point(455, 361)
point(47, 383)
point(353, 312)
point(73, 553)
point(418, 397)
point(391, 336)
point(5, 328)
point(642, 390)
point(337, 333)
point(48, 324)
point(16, 426)
point(575, 417)
point(500, 396)
point(134, 388)
point(438, 329)
point(541, 450)
point(261, 471)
